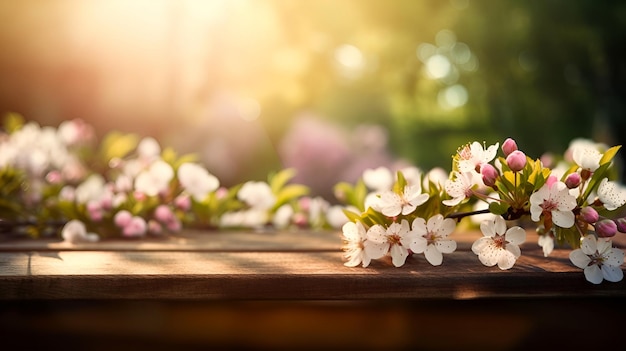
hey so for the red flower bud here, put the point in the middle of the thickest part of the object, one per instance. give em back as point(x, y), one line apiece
point(606, 228)
point(621, 225)
point(573, 180)
point(589, 214)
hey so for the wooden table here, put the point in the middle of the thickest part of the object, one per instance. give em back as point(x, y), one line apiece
point(290, 289)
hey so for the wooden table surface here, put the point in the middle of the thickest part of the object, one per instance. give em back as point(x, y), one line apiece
point(286, 290)
point(275, 265)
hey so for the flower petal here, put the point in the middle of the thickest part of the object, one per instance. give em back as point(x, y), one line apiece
point(500, 225)
point(506, 260)
point(419, 226)
point(588, 245)
point(390, 204)
point(514, 250)
point(375, 250)
point(579, 258)
point(446, 246)
point(434, 222)
point(433, 256)
point(418, 244)
point(480, 244)
point(398, 255)
point(515, 235)
point(377, 234)
point(490, 254)
point(488, 227)
point(446, 227)
point(593, 274)
point(564, 219)
point(614, 257)
point(612, 274)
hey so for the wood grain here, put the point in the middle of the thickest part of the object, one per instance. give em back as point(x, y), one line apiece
point(275, 266)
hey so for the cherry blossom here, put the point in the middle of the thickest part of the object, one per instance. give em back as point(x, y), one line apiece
point(546, 242)
point(432, 238)
point(378, 179)
point(155, 179)
point(499, 245)
point(472, 156)
point(196, 180)
point(354, 236)
point(395, 240)
point(257, 194)
point(586, 156)
point(459, 188)
point(75, 231)
point(393, 204)
point(555, 203)
point(611, 194)
point(599, 260)
point(148, 149)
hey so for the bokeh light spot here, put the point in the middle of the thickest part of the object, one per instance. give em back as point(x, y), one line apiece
point(438, 66)
point(452, 97)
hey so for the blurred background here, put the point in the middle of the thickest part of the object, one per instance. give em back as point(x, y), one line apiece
point(328, 87)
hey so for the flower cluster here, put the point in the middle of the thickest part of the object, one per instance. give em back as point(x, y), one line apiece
point(574, 203)
point(131, 187)
point(61, 181)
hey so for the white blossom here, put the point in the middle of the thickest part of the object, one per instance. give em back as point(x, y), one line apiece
point(556, 200)
point(379, 179)
point(75, 231)
point(472, 156)
point(395, 240)
point(196, 180)
point(354, 236)
point(499, 245)
point(612, 194)
point(155, 179)
point(432, 238)
point(393, 204)
point(258, 195)
point(598, 259)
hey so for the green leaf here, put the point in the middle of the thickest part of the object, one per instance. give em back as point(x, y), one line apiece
point(400, 184)
point(278, 180)
point(354, 217)
point(498, 208)
point(351, 195)
point(290, 192)
point(594, 182)
point(117, 145)
point(609, 154)
point(13, 122)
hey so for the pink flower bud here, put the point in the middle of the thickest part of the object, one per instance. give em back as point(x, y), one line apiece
point(551, 180)
point(489, 173)
point(136, 228)
point(122, 218)
point(606, 228)
point(163, 214)
point(54, 177)
point(516, 161)
point(508, 146)
point(621, 225)
point(589, 214)
point(174, 225)
point(183, 202)
point(573, 180)
point(154, 227)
